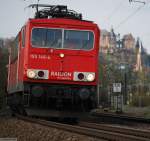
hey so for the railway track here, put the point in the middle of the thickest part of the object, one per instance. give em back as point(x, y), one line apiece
point(106, 116)
point(117, 129)
point(95, 130)
point(5, 112)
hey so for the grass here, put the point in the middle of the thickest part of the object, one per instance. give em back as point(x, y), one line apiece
point(137, 111)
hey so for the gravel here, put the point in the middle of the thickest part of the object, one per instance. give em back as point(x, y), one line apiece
point(26, 131)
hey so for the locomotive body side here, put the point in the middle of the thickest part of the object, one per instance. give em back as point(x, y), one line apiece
point(16, 63)
point(56, 63)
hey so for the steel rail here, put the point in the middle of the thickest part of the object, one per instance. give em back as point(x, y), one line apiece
point(101, 134)
point(122, 130)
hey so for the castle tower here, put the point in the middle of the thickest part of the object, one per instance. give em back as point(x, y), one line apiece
point(138, 66)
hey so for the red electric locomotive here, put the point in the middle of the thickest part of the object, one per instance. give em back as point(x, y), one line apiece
point(53, 62)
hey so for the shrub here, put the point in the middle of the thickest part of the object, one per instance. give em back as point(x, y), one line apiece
point(140, 101)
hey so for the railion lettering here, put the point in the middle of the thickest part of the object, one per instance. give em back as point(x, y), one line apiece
point(61, 74)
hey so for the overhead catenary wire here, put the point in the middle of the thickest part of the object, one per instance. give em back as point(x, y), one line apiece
point(116, 9)
point(131, 15)
point(138, 1)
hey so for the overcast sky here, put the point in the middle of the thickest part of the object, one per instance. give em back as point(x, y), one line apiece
point(120, 14)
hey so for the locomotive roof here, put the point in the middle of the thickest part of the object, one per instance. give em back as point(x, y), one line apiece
point(61, 22)
point(58, 15)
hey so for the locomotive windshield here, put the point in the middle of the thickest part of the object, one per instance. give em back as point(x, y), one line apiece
point(42, 37)
point(61, 38)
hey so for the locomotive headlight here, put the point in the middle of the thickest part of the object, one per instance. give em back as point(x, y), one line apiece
point(90, 77)
point(61, 55)
point(37, 74)
point(31, 73)
point(84, 76)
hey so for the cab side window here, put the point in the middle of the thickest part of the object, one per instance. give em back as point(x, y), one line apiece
point(14, 49)
point(23, 37)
